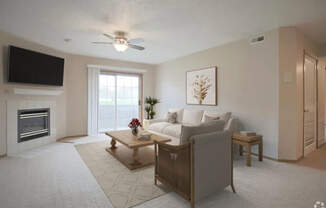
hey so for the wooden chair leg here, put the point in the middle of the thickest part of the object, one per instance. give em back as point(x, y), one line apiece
point(260, 151)
point(248, 149)
point(233, 189)
point(192, 204)
point(240, 150)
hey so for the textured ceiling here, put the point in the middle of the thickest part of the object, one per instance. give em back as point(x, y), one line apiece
point(171, 28)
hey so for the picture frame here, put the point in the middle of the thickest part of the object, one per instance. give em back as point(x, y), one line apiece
point(201, 86)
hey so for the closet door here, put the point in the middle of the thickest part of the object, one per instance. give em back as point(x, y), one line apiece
point(321, 104)
point(310, 105)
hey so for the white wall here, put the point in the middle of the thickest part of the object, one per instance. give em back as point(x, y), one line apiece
point(247, 84)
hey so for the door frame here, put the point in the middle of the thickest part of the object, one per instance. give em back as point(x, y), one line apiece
point(140, 76)
point(306, 53)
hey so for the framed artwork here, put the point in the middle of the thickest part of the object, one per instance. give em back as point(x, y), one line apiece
point(201, 86)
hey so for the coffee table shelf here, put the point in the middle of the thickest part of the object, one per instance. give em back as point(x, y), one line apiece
point(130, 151)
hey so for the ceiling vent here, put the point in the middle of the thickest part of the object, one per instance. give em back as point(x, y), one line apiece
point(257, 39)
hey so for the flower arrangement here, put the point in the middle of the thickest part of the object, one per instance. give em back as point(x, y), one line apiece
point(134, 124)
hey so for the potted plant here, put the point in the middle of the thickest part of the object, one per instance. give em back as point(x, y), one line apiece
point(148, 111)
point(151, 102)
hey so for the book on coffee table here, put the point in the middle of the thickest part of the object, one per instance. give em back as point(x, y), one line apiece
point(248, 133)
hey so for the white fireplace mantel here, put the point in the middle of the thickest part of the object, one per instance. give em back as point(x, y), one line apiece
point(27, 91)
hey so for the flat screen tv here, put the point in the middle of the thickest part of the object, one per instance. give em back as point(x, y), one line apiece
point(27, 66)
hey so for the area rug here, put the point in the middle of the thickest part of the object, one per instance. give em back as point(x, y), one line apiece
point(123, 187)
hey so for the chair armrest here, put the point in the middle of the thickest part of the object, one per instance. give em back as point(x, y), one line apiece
point(232, 125)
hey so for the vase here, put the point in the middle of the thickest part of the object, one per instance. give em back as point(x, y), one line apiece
point(134, 131)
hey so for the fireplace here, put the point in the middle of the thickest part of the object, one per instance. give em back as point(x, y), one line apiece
point(33, 124)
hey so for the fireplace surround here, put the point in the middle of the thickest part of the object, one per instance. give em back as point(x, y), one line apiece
point(14, 106)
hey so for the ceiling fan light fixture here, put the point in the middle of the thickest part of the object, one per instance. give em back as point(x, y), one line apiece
point(120, 45)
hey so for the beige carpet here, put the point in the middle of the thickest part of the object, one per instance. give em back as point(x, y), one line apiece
point(315, 159)
point(123, 187)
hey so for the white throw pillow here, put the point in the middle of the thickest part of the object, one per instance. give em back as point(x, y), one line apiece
point(179, 112)
point(221, 116)
point(192, 116)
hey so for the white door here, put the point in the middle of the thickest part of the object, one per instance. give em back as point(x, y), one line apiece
point(119, 101)
point(310, 105)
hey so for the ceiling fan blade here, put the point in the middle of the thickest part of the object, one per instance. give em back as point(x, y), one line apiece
point(136, 40)
point(109, 36)
point(136, 47)
point(102, 42)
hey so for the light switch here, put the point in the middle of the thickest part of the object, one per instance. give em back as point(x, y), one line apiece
point(287, 77)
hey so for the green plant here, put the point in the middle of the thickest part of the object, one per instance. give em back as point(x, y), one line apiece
point(148, 110)
point(151, 102)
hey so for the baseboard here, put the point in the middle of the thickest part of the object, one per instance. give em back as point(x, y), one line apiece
point(322, 145)
point(279, 160)
point(265, 157)
point(70, 137)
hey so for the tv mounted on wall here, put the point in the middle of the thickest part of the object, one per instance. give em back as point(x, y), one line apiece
point(27, 66)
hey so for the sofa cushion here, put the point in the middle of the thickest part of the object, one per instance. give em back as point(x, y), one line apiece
point(173, 130)
point(179, 112)
point(159, 126)
point(171, 117)
point(192, 116)
point(222, 116)
point(206, 127)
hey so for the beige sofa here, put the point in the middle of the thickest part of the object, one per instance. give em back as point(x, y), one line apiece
point(189, 117)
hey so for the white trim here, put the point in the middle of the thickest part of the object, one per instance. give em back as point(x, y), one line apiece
point(116, 68)
point(21, 91)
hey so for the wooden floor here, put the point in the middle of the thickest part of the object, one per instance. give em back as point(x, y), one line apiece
point(316, 160)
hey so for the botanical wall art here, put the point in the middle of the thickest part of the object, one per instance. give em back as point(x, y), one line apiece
point(202, 86)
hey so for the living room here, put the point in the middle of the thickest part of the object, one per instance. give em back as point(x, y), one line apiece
point(115, 57)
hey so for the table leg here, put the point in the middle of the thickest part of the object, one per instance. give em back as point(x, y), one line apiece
point(240, 149)
point(135, 156)
point(248, 148)
point(260, 151)
point(113, 143)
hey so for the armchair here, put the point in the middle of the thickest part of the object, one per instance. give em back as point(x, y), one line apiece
point(197, 168)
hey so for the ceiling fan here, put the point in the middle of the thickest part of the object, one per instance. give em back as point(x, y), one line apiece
point(121, 43)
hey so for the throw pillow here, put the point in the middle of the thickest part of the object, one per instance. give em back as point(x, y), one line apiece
point(193, 117)
point(210, 118)
point(171, 117)
point(223, 116)
point(179, 112)
point(207, 127)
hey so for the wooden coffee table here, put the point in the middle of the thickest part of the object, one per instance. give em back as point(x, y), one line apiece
point(132, 152)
